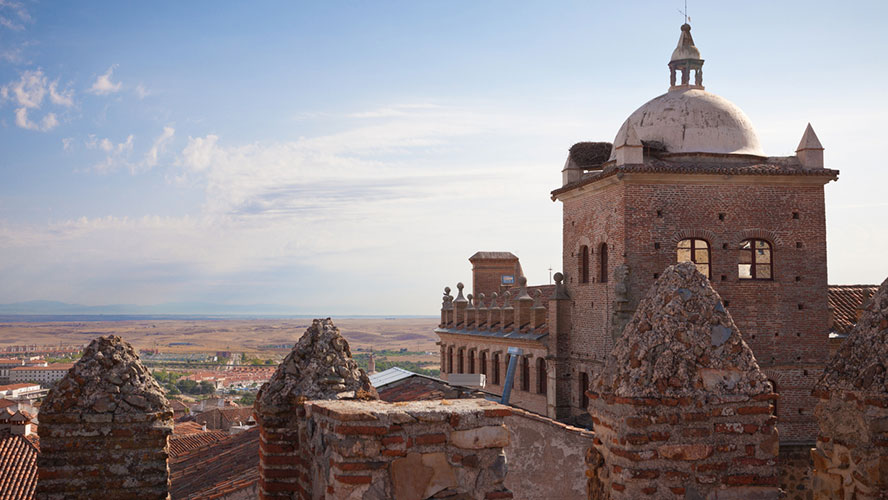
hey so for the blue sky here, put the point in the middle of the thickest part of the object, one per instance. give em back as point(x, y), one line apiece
point(348, 157)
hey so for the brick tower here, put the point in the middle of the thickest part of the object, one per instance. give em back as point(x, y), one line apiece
point(686, 180)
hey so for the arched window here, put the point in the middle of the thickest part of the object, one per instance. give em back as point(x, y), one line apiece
point(602, 260)
point(584, 264)
point(525, 374)
point(697, 251)
point(756, 260)
point(584, 384)
point(450, 359)
point(496, 368)
point(472, 361)
point(459, 361)
point(542, 378)
point(483, 362)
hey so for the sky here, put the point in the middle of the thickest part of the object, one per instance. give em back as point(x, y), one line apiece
point(348, 157)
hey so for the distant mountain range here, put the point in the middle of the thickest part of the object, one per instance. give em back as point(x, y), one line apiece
point(55, 308)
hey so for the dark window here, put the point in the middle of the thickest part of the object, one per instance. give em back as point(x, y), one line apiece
point(525, 374)
point(584, 384)
point(542, 379)
point(483, 362)
point(450, 359)
point(584, 264)
point(697, 251)
point(496, 368)
point(471, 361)
point(602, 260)
point(459, 360)
point(756, 260)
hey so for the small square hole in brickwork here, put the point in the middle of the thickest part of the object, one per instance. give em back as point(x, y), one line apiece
point(798, 244)
point(752, 336)
point(659, 213)
point(656, 246)
point(724, 246)
point(656, 275)
point(795, 215)
point(591, 305)
point(724, 278)
point(798, 358)
point(776, 334)
point(800, 411)
point(805, 372)
point(801, 306)
point(726, 303)
point(798, 278)
point(798, 334)
point(721, 216)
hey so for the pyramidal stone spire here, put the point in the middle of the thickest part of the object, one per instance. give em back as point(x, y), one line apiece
point(320, 366)
point(681, 342)
point(810, 151)
point(104, 429)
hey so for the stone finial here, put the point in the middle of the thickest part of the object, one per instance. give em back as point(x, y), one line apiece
point(481, 297)
point(861, 363)
point(104, 428)
point(459, 296)
point(320, 366)
point(538, 299)
point(522, 290)
point(560, 289)
point(470, 298)
point(681, 342)
point(507, 300)
point(447, 299)
point(493, 300)
point(810, 151)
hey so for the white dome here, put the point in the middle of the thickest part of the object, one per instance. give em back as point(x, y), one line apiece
point(691, 120)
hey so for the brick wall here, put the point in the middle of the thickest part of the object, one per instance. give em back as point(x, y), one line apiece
point(376, 450)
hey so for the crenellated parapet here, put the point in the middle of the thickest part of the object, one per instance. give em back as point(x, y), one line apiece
point(520, 313)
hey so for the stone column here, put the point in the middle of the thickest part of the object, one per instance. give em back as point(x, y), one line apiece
point(104, 429)
point(851, 458)
point(319, 367)
point(681, 408)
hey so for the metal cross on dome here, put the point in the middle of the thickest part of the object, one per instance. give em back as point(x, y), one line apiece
point(685, 13)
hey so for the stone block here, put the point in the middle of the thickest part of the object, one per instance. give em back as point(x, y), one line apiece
point(481, 437)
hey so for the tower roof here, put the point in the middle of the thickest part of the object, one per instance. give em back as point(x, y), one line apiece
point(685, 48)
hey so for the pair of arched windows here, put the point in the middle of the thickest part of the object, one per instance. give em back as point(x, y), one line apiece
point(754, 262)
point(602, 263)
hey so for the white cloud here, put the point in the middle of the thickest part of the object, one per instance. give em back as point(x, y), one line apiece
point(48, 122)
point(158, 147)
point(103, 84)
point(28, 93)
point(67, 144)
point(141, 91)
point(198, 154)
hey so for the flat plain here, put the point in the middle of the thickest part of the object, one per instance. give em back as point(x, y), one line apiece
point(253, 336)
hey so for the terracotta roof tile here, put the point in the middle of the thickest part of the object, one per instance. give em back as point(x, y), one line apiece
point(190, 427)
point(845, 300)
point(184, 443)
point(18, 466)
point(213, 471)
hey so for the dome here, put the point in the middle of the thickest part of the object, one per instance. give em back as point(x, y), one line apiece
point(691, 120)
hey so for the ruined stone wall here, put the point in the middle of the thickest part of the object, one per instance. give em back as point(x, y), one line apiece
point(416, 450)
point(546, 458)
point(591, 219)
point(784, 320)
point(104, 429)
point(794, 466)
point(851, 458)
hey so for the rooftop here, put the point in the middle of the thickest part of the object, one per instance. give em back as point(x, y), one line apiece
point(18, 466)
point(846, 301)
point(228, 465)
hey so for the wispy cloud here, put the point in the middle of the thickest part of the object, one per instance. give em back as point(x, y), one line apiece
point(141, 91)
point(120, 155)
point(28, 94)
point(159, 147)
point(13, 15)
point(104, 85)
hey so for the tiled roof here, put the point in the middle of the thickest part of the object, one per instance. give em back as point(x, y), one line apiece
point(57, 366)
point(182, 428)
point(214, 471)
point(223, 418)
point(177, 405)
point(738, 166)
point(18, 466)
point(13, 387)
point(845, 300)
point(5, 403)
point(184, 443)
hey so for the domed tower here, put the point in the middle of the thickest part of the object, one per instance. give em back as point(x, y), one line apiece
point(687, 180)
